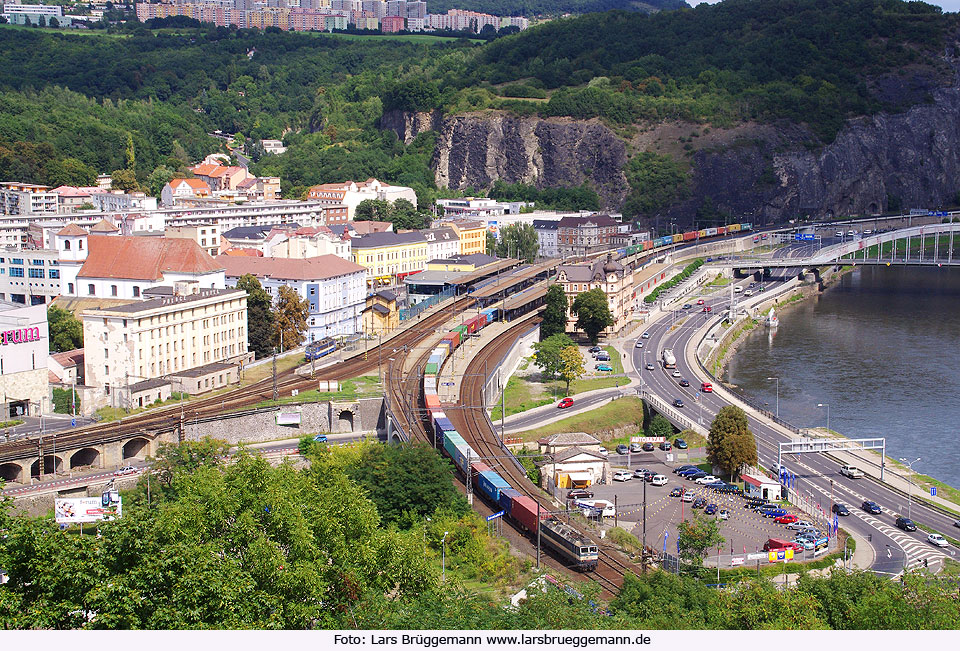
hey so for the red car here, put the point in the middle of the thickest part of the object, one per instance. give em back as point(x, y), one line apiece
point(786, 519)
point(700, 302)
point(566, 402)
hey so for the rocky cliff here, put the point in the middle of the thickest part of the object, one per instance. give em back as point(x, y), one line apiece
point(762, 173)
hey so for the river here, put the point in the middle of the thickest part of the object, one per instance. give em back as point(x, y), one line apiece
point(882, 349)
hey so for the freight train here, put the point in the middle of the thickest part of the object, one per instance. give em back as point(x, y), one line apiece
point(525, 511)
point(679, 238)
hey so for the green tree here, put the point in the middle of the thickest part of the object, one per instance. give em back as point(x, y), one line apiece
point(546, 354)
point(290, 318)
point(65, 330)
point(491, 248)
point(174, 459)
point(592, 312)
point(571, 365)
point(405, 216)
point(158, 178)
point(656, 181)
point(695, 538)
point(65, 401)
point(731, 443)
point(70, 171)
point(260, 318)
point(130, 155)
point(54, 22)
point(518, 241)
point(376, 210)
point(555, 315)
point(41, 22)
point(660, 426)
point(125, 180)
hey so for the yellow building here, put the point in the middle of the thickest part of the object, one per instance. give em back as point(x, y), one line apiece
point(472, 234)
point(390, 257)
point(381, 314)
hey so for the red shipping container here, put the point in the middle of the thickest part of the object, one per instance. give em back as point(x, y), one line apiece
point(431, 401)
point(722, 230)
point(478, 467)
point(648, 245)
point(524, 511)
point(692, 235)
point(481, 321)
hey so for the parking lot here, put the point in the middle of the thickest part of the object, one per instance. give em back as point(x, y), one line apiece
point(745, 530)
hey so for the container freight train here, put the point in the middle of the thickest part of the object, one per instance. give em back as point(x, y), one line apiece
point(679, 238)
point(566, 541)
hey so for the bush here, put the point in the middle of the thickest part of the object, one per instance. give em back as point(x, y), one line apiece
point(676, 280)
point(62, 403)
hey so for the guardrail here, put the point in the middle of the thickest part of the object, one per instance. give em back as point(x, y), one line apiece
point(669, 411)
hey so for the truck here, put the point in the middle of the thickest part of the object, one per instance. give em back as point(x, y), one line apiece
point(669, 361)
point(851, 471)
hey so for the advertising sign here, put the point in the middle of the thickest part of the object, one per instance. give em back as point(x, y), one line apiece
point(780, 555)
point(77, 510)
point(288, 419)
point(737, 560)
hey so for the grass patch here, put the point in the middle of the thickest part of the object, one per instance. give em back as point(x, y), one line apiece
point(615, 359)
point(352, 389)
point(108, 414)
point(625, 411)
point(520, 395)
point(719, 356)
point(949, 539)
point(11, 423)
point(265, 370)
point(951, 569)
point(720, 281)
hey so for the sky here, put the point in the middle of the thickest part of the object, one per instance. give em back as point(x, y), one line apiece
point(948, 5)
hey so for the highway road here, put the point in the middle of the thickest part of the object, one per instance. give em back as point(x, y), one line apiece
point(52, 424)
point(817, 474)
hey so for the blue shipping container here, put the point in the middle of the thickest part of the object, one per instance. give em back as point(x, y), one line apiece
point(491, 484)
point(506, 498)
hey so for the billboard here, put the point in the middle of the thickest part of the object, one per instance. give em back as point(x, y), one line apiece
point(76, 510)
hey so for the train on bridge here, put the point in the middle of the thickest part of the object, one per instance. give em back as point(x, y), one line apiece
point(680, 238)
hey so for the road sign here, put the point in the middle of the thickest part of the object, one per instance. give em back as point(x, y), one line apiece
point(809, 237)
point(494, 516)
point(933, 491)
point(73, 422)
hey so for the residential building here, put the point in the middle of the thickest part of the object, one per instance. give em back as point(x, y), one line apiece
point(144, 340)
point(124, 267)
point(206, 235)
point(333, 287)
point(390, 257)
point(265, 188)
point(66, 368)
point(22, 14)
point(179, 189)
point(381, 313)
point(28, 199)
point(606, 274)
point(24, 380)
point(392, 24)
point(583, 234)
point(273, 147)
point(311, 242)
point(260, 238)
point(220, 177)
point(471, 207)
point(117, 201)
point(72, 198)
point(442, 242)
point(351, 193)
point(29, 276)
point(472, 234)
point(547, 237)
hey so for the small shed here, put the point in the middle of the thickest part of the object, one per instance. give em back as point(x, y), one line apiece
point(573, 467)
point(762, 487)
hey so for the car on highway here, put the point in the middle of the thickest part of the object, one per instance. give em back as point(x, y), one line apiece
point(706, 387)
point(840, 509)
point(678, 403)
point(635, 447)
point(906, 524)
point(579, 493)
point(687, 306)
point(320, 438)
point(639, 344)
point(749, 292)
point(708, 479)
point(956, 523)
point(125, 470)
point(622, 449)
point(666, 446)
point(680, 444)
point(700, 302)
point(622, 475)
point(684, 383)
point(650, 367)
point(711, 509)
point(871, 507)
point(645, 335)
point(566, 402)
point(604, 367)
point(676, 374)
point(699, 503)
point(676, 492)
point(937, 539)
point(838, 234)
point(707, 308)
point(648, 447)
point(789, 518)
point(688, 496)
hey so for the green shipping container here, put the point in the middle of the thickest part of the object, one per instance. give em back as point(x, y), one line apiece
point(462, 329)
point(431, 369)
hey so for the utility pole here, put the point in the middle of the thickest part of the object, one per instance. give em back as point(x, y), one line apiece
point(276, 394)
point(644, 550)
point(538, 535)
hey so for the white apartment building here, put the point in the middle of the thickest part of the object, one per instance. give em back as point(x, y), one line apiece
point(334, 288)
point(351, 193)
point(24, 381)
point(143, 340)
point(207, 236)
point(308, 242)
point(29, 276)
point(28, 199)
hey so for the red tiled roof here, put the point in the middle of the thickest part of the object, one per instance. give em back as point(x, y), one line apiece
point(69, 358)
point(103, 226)
point(204, 169)
point(196, 184)
point(240, 252)
point(318, 268)
point(144, 258)
point(71, 229)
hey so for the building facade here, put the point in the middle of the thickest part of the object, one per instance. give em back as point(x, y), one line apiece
point(24, 342)
point(472, 234)
point(605, 274)
point(442, 242)
point(29, 276)
point(584, 234)
point(390, 257)
point(207, 236)
point(28, 199)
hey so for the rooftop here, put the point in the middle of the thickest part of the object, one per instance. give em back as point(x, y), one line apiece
point(200, 371)
point(144, 258)
point(378, 240)
point(318, 268)
point(155, 303)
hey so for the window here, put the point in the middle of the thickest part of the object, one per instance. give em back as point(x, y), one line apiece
point(69, 288)
point(16, 260)
point(91, 291)
point(37, 263)
point(106, 353)
point(16, 272)
point(35, 273)
point(80, 244)
point(66, 245)
point(54, 273)
point(106, 370)
point(136, 291)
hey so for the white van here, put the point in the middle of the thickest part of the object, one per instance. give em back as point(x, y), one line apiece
point(737, 289)
point(597, 507)
point(659, 480)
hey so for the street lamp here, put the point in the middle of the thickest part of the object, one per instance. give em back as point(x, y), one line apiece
point(778, 394)
point(910, 492)
point(821, 404)
point(443, 557)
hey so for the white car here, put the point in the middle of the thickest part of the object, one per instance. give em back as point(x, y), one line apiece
point(709, 479)
point(688, 496)
point(799, 525)
point(622, 475)
point(676, 374)
point(603, 451)
point(937, 539)
point(126, 470)
point(645, 335)
point(749, 292)
point(659, 480)
point(639, 344)
point(724, 514)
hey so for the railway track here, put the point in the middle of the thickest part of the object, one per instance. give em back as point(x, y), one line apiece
point(477, 430)
point(169, 418)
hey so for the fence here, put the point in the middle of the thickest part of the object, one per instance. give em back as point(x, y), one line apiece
point(415, 310)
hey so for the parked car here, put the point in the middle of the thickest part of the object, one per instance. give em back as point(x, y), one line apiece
point(786, 519)
point(622, 449)
point(579, 493)
point(727, 489)
point(774, 514)
point(695, 475)
point(685, 466)
point(640, 472)
point(659, 480)
point(602, 357)
point(635, 447)
point(594, 349)
point(937, 539)
point(699, 503)
point(840, 509)
point(871, 507)
point(603, 451)
point(799, 525)
point(806, 543)
point(680, 444)
point(711, 509)
point(724, 514)
point(684, 383)
point(906, 524)
point(566, 402)
point(648, 447)
point(688, 496)
point(707, 479)
point(666, 446)
point(676, 492)
point(604, 367)
point(622, 475)
point(678, 403)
